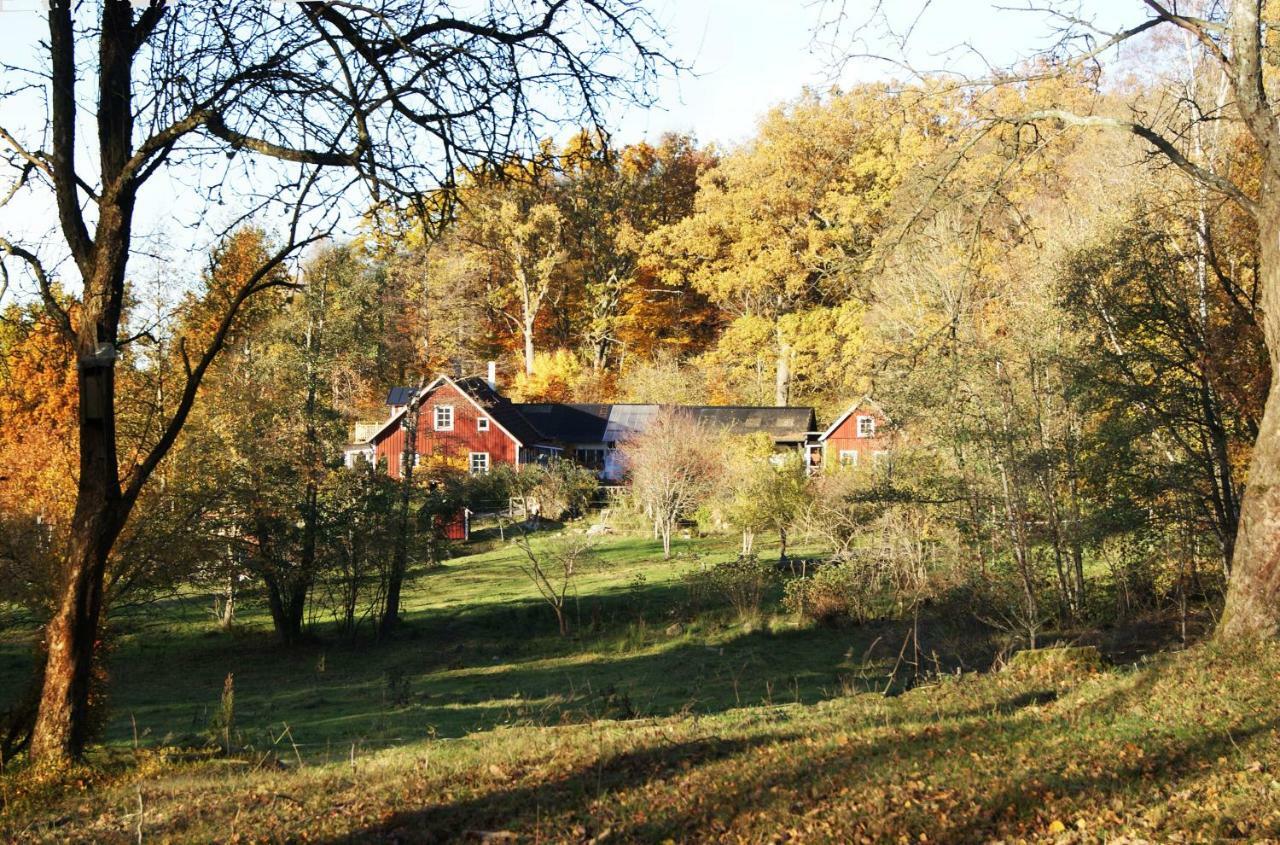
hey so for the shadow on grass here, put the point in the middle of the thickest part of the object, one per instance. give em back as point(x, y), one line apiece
point(750, 789)
point(456, 669)
point(523, 806)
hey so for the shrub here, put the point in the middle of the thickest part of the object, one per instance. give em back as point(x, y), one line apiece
point(565, 489)
point(740, 584)
point(832, 595)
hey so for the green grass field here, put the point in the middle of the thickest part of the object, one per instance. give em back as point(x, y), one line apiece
point(479, 650)
point(648, 724)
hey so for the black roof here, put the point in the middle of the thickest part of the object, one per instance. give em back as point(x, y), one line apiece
point(401, 396)
point(501, 409)
point(568, 423)
point(590, 423)
point(784, 424)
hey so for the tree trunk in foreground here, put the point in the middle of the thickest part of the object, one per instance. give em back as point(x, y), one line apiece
point(101, 506)
point(1253, 592)
point(61, 728)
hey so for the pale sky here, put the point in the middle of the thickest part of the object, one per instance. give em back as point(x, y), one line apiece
point(746, 55)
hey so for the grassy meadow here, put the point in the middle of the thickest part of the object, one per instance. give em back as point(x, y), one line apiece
point(479, 650)
point(651, 722)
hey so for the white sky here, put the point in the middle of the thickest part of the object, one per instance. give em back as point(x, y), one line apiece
point(747, 56)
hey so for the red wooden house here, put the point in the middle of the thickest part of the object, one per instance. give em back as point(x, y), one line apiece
point(468, 420)
point(464, 419)
point(858, 437)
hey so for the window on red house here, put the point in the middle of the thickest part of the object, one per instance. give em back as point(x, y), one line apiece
point(444, 418)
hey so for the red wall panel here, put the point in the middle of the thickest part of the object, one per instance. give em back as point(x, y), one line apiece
point(845, 438)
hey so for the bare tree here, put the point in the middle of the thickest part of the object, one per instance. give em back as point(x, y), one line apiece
point(554, 570)
point(282, 109)
point(1230, 38)
point(674, 465)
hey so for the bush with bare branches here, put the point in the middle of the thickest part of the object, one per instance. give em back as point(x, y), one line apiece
point(674, 464)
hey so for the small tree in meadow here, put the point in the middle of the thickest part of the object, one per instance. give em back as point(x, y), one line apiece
point(765, 490)
point(553, 568)
point(357, 531)
point(675, 465)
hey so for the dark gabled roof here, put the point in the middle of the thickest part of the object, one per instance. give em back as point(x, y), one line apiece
point(609, 423)
point(400, 396)
point(537, 423)
point(494, 404)
point(567, 423)
point(501, 409)
point(783, 425)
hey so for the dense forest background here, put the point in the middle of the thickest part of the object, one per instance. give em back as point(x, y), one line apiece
point(1063, 330)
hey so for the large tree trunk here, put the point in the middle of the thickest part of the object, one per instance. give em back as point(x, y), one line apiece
point(71, 635)
point(101, 508)
point(782, 373)
point(529, 305)
point(1253, 593)
point(528, 343)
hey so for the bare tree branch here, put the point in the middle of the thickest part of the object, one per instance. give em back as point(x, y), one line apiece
point(1164, 145)
point(55, 309)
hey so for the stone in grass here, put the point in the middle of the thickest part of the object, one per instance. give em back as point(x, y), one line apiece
point(598, 529)
point(675, 629)
point(1056, 662)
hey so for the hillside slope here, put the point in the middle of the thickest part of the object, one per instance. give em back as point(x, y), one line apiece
point(1184, 748)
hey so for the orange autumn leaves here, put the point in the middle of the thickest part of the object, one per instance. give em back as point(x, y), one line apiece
point(38, 452)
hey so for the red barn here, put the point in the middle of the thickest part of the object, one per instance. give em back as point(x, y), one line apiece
point(858, 437)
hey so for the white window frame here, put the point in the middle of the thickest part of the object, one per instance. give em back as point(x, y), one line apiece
point(482, 423)
point(848, 457)
point(471, 463)
point(871, 425)
point(435, 417)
